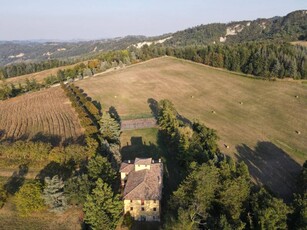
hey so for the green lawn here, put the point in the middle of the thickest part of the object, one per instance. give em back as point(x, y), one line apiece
point(140, 143)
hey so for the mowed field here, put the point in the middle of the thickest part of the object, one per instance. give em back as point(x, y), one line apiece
point(45, 115)
point(258, 120)
point(39, 76)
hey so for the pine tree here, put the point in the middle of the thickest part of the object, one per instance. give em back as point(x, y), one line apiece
point(54, 194)
point(102, 208)
point(99, 167)
point(269, 212)
point(109, 128)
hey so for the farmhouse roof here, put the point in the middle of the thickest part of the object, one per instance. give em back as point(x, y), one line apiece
point(126, 167)
point(142, 161)
point(145, 184)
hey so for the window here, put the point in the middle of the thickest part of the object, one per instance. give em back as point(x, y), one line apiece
point(130, 201)
point(143, 209)
point(142, 202)
point(155, 209)
point(154, 201)
point(131, 208)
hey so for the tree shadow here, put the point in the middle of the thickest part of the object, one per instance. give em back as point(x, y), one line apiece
point(139, 148)
point(98, 105)
point(114, 114)
point(23, 137)
point(271, 166)
point(2, 132)
point(54, 140)
point(154, 107)
point(17, 179)
point(64, 171)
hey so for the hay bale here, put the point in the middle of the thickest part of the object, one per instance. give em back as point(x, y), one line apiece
point(298, 132)
point(241, 103)
point(192, 96)
point(115, 96)
point(296, 96)
point(226, 146)
point(213, 112)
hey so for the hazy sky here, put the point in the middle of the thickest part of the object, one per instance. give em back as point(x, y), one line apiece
point(90, 19)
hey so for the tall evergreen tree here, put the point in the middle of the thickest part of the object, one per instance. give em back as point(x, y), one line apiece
point(54, 194)
point(109, 128)
point(102, 207)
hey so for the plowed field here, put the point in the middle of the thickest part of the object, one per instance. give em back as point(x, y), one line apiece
point(45, 115)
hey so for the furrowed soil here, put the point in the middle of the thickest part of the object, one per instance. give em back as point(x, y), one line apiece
point(46, 115)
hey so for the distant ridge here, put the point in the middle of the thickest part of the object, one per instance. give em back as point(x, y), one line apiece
point(292, 27)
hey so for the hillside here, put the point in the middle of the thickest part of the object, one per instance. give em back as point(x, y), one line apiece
point(257, 119)
point(291, 27)
point(19, 51)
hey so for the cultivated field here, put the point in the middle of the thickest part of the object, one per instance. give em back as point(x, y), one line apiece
point(44, 115)
point(259, 120)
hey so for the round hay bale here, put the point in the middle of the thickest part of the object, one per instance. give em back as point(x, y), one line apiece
point(298, 132)
point(115, 96)
point(192, 96)
point(241, 103)
point(296, 96)
point(226, 146)
point(213, 112)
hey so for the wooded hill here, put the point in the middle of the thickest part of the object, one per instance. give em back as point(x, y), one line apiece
point(291, 27)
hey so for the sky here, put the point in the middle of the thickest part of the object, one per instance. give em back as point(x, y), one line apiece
point(95, 19)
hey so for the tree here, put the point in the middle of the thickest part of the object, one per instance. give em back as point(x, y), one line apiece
point(269, 212)
point(28, 199)
point(300, 211)
point(109, 128)
point(77, 188)
point(167, 119)
point(102, 208)
point(203, 145)
point(184, 221)
point(54, 194)
point(196, 194)
point(99, 167)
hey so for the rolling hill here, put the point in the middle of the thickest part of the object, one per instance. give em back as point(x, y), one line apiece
point(259, 120)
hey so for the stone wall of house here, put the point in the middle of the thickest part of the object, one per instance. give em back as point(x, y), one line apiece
point(151, 210)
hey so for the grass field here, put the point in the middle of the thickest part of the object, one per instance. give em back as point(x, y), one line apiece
point(39, 76)
point(257, 119)
point(46, 114)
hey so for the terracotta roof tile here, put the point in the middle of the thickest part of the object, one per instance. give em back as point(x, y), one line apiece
point(145, 184)
point(142, 161)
